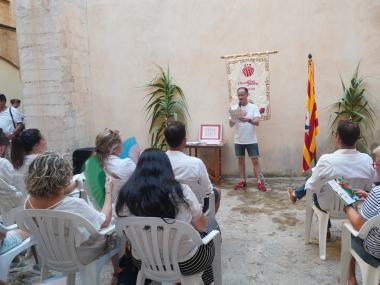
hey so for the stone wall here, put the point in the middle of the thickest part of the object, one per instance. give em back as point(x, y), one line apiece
point(127, 38)
point(123, 40)
point(8, 44)
point(53, 47)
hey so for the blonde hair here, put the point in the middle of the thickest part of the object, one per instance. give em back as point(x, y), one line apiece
point(105, 144)
point(48, 175)
point(376, 152)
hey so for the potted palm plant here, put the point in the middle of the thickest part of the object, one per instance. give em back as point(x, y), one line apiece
point(354, 105)
point(165, 102)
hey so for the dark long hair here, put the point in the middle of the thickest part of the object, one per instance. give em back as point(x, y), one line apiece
point(152, 190)
point(23, 144)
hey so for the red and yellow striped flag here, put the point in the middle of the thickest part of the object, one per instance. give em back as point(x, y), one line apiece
point(311, 124)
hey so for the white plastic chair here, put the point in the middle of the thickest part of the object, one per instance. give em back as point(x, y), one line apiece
point(7, 257)
point(370, 273)
point(159, 252)
point(334, 212)
point(57, 234)
point(11, 199)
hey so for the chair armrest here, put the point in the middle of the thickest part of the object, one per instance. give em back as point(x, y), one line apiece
point(351, 229)
point(108, 230)
point(8, 228)
point(213, 234)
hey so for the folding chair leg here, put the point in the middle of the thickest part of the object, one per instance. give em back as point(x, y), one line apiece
point(71, 279)
point(308, 221)
point(140, 278)
point(345, 255)
point(323, 220)
point(217, 262)
point(370, 275)
point(4, 268)
point(44, 272)
point(88, 275)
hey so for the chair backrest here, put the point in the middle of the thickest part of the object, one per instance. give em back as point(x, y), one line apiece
point(10, 199)
point(368, 226)
point(157, 243)
point(195, 187)
point(337, 204)
point(57, 234)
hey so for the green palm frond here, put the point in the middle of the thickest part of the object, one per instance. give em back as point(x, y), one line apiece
point(165, 102)
point(354, 105)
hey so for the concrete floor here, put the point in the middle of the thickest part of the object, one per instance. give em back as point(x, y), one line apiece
point(262, 240)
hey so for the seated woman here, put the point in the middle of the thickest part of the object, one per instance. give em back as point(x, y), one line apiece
point(152, 191)
point(24, 149)
point(108, 147)
point(371, 208)
point(49, 175)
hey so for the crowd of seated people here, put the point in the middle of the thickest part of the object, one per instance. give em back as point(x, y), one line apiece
point(156, 187)
point(44, 180)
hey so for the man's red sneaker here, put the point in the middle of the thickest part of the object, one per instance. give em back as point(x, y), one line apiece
point(261, 187)
point(240, 185)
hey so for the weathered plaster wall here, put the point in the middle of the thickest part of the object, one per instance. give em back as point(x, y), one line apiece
point(8, 44)
point(9, 80)
point(53, 47)
point(127, 38)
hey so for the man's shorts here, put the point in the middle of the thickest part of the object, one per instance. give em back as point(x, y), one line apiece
point(252, 149)
point(11, 240)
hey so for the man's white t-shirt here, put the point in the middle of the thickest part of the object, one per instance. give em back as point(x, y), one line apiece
point(6, 122)
point(191, 171)
point(245, 132)
point(348, 163)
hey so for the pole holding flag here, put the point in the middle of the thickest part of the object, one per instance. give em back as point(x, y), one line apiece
point(311, 124)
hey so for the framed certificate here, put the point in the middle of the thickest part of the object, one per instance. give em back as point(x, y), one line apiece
point(210, 133)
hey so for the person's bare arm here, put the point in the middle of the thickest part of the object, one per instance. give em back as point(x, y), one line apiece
point(255, 121)
point(19, 128)
point(200, 224)
point(107, 206)
point(355, 218)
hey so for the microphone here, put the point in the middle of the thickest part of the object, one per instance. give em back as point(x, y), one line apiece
point(239, 104)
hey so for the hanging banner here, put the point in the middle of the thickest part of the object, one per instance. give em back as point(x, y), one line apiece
point(250, 70)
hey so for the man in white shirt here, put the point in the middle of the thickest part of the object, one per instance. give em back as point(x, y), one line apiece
point(10, 119)
point(187, 169)
point(346, 161)
point(246, 139)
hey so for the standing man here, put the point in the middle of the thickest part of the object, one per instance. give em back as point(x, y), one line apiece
point(245, 139)
point(10, 119)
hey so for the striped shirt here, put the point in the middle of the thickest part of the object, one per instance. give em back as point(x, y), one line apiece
point(371, 208)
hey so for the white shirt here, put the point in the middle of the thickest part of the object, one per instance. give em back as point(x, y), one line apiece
point(186, 214)
point(348, 163)
point(6, 122)
point(123, 168)
point(6, 170)
point(191, 171)
point(20, 174)
point(245, 132)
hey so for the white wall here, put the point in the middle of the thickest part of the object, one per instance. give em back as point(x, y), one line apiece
point(127, 38)
point(9, 80)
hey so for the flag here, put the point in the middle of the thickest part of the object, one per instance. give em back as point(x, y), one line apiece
point(311, 124)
